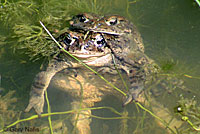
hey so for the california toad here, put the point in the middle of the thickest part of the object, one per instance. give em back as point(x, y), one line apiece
point(97, 41)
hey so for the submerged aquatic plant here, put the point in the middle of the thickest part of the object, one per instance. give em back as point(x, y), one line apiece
point(198, 2)
point(7, 112)
point(25, 33)
point(189, 110)
point(17, 12)
point(33, 41)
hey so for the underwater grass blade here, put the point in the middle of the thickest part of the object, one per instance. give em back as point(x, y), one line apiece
point(151, 113)
point(60, 113)
point(81, 61)
point(198, 2)
point(49, 111)
point(185, 118)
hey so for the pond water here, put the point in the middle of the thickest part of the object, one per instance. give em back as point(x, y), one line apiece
point(170, 31)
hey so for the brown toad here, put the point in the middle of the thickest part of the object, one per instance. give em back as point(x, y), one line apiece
point(110, 40)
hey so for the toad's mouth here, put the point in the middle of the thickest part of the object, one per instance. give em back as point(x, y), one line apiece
point(93, 58)
point(89, 54)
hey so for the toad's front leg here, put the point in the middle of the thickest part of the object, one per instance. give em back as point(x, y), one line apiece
point(137, 77)
point(134, 93)
point(41, 83)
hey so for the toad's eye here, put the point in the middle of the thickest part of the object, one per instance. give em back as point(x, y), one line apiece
point(82, 18)
point(111, 22)
point(69, 40)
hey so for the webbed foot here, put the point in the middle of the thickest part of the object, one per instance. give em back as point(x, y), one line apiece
point(133, 95)
point(36, 102)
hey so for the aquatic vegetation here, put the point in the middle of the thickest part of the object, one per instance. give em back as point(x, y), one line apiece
point(189, 110)
point(24, 34)
point(7, 109)
point(198, 2)
point(168, 65)
point(27, 36)
point(33, 41)
point(12, 12)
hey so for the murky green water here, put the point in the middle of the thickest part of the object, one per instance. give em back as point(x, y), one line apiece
point(170, 30)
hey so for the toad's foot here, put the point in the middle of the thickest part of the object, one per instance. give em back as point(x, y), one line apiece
point(133, 94)
point(36, 102)
point(41, 83)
